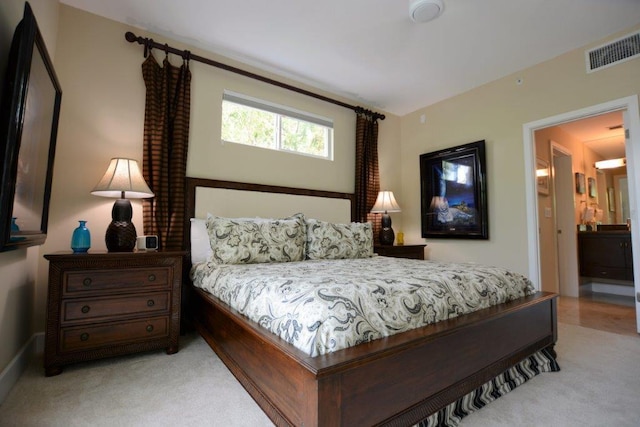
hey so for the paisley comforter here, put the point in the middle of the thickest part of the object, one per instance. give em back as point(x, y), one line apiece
point(320, 306)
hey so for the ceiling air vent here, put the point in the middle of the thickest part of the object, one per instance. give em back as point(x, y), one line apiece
point(619, 50)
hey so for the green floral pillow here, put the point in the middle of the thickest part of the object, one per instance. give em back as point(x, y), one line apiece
point(327, 240)
point(256, 240)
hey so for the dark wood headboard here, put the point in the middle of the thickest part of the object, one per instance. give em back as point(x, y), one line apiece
point(193, 183)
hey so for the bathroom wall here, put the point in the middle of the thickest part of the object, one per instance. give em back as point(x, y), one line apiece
point(581, 158)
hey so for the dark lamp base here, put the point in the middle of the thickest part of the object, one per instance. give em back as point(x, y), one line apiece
point(121, 233)
point(120, 237)
point(387, 236)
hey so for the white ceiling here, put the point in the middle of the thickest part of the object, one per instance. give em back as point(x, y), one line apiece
point(596, 135)
point(369, 50)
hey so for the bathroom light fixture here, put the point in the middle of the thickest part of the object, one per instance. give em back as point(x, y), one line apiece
point(610, 164)
point(425, 10)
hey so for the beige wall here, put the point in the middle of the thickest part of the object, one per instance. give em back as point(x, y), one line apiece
point(496, 112)
point(582, 158)
point(18, 268)
point(102, 117)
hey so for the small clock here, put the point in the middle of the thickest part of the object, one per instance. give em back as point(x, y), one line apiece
point(147, 243)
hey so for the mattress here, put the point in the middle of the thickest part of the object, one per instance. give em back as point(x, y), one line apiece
point(321, 306)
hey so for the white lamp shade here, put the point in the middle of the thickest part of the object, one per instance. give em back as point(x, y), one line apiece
point(123, 179)
point(386, 202)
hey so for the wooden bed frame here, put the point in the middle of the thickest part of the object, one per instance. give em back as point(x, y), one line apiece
point(399, 380)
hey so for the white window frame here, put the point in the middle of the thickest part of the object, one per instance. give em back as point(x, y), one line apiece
point(280, 111)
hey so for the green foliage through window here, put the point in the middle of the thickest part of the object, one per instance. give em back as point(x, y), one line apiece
point(252, 122)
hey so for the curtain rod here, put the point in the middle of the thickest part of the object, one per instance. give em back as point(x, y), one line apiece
point(187, 55)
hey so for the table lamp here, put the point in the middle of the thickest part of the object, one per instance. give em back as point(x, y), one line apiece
point(385, 203)
point(123, 180)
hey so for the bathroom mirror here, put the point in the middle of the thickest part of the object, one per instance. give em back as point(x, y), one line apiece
point(613, 195)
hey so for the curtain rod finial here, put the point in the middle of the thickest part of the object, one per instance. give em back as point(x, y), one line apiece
point(130, 37)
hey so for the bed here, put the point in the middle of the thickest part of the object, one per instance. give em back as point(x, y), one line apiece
point(422, 375)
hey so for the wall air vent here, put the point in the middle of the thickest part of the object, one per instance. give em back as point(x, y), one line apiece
point(615, 52)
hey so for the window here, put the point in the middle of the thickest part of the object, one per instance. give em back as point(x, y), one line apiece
point(250, 121)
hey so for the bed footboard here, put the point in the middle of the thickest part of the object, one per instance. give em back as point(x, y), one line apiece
point(398, 380)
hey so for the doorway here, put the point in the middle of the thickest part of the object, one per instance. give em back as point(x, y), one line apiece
point(629, 106)
point(578, 146)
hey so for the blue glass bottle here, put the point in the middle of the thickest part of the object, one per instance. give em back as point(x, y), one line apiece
point(81, 238)
point(14, 226)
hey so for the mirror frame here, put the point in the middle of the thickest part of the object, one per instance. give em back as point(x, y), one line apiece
point(28, 135)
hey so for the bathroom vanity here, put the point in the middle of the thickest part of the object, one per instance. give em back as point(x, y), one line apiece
point(605, 254)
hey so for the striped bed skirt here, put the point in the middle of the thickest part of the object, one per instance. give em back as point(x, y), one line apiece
point(451, 415)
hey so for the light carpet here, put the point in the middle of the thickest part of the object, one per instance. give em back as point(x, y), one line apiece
point(598, 385)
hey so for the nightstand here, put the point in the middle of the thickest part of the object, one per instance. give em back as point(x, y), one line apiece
point(109, 304)
point(401, 251)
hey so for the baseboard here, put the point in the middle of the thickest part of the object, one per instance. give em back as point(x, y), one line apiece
point(609, 288)
point(39, 337)
point(10, 375)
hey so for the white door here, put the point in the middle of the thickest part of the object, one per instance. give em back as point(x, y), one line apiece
point(633, 171)
point(566, 237)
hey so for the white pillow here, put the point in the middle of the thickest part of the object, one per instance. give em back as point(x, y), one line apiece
point(200, 244)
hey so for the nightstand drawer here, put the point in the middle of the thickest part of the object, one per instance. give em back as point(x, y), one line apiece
point(115, 280)
point(113, 333)
point(74, 310)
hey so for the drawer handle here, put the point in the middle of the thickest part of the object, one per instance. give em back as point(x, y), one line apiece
point(87, 281)
point(86, 309)
point(84, 337)
point(152, 277)
point(149, 328)
point(150, 303)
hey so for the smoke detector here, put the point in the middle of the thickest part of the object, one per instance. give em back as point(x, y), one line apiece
point(425, 10)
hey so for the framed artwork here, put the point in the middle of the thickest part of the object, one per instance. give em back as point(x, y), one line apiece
point(580, 183)
point(453, 192)
point(611, 200)
point(542, 176)
point(593, 189)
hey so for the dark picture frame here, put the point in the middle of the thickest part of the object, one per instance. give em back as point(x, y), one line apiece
point(454, 193)
point(593, 188)
point(542, 177)
point(29, 114)
point(580, 183)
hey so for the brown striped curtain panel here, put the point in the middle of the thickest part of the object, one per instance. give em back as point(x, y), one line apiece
point(166, 141)
point(367, 177)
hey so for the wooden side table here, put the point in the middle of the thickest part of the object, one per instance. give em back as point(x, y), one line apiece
point(401, 251)
point(108, 304)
